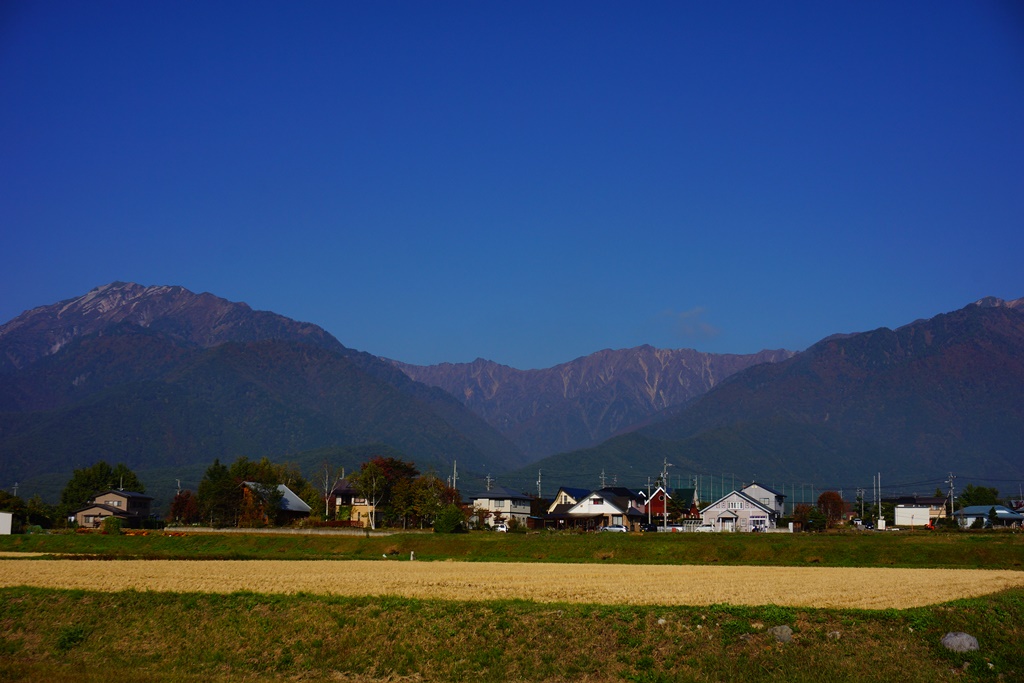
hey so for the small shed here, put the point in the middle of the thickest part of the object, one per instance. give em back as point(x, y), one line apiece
point(6, 523)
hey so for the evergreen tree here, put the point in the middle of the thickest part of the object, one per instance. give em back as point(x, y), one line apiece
point(220, 495)
point(85, 483)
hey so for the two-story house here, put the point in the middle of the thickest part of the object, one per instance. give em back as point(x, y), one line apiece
point(755, 508)
point(608, 506)
point(500, 504)
point(128, 506)
point(346, 504)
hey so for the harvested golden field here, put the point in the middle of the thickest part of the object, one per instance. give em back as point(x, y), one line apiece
point(868, 588)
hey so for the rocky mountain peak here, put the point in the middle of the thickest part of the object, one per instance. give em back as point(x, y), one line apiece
point(201, 319)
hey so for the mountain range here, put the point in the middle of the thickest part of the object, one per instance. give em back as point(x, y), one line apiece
point(937, 396)
point(160, 377)
point(585, 401)
point(166, 380)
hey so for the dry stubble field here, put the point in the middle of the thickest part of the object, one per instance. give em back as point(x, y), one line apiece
point(867, 588)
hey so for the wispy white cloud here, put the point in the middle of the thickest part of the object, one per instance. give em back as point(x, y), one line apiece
point(691, 324)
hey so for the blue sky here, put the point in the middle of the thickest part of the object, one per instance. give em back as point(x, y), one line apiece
point(526, 182)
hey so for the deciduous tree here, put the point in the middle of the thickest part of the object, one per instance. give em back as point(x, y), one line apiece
point(184, 508)
point(371, 484)
point(832, 507)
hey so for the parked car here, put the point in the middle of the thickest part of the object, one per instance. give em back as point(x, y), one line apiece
point(649, 527)
point(706, 528)
point(502, 527)
point(615, 527)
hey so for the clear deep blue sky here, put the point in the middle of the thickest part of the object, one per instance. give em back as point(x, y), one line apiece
point(527, 182)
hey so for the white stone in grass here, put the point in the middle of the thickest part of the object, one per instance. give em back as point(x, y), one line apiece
point(957, 641)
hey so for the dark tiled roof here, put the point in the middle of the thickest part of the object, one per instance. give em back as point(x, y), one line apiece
point(576, 494)
point(500, 493)
point(126, 494)
point(117, 512)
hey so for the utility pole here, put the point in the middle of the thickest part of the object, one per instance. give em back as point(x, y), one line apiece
point(951, 478)
point(664, 485)
point(15, 489)
point(602, 478)
point(488, 480)
point(875, 497)
point(539, 496)
point(648, 500)
point(455, 474)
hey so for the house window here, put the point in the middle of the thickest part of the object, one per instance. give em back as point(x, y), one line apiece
point(735, 505)
point(597, 501)
point(499, 504)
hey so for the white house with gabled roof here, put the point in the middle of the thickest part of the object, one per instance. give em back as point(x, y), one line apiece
point(738, 511)
point(611, 505)
point(500, 504)
point(766, 496)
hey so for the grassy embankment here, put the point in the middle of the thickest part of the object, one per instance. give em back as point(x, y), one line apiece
point(966, 550)
point(136, 636)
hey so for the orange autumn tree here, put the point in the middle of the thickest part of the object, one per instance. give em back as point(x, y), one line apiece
point(832, 506)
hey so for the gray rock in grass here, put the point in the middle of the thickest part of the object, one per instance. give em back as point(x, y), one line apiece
point(958, 641)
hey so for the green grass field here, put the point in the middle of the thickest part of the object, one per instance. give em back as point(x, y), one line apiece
point(149, 636)
point(962, 550)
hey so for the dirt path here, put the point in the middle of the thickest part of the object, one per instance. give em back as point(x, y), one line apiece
point(581, 583)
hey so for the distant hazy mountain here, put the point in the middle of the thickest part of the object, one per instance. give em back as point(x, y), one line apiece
point(585, 401)
point(160, 376)
point(202, 320)
point(935, 396)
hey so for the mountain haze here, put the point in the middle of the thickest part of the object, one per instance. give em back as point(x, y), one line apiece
point(587, 400)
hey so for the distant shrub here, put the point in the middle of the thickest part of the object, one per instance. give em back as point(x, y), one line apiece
point(449, 520)
point(111, 526)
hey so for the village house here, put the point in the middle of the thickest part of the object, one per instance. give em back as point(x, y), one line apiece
point(130, 507)
point(500, 504)
point(345, 504)
point(755, 508)
point(656, 505)
point(606, 507)
point(768, 497)
point(557, 514)
point(918, 510)
point(290, 507)
point(982, 514)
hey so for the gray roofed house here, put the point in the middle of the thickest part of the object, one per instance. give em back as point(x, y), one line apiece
point(290, 507)
point(131, 507)
point(738, 511)
point(1005, 516)
point(501, 504)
